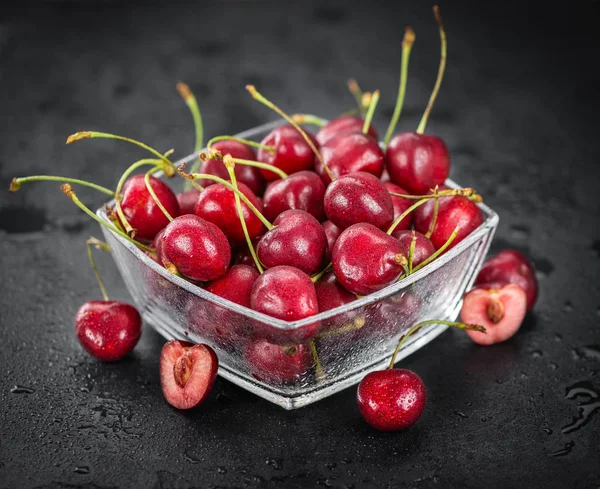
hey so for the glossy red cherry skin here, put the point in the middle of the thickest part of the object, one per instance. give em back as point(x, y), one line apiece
point(332, 233)
point(365, 259)
point(243, 255)
point(330, 295)
point(198, 249)
point(400, 205)
point(455, 211)
point(297, 240)
point(423, 246)
point(108, 330)
point(417, 162)
point(358, 197)
point(248, 175)
point(140, 209)
point(391, 400)
point(303, 190)
point(292, 152)
point(344, 124)
point(276, 363)
point(510, 267)
point(349, 153)
point(187, 201)
point(217, 205)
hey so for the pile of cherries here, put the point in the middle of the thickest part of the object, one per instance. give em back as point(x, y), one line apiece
point(297, 224)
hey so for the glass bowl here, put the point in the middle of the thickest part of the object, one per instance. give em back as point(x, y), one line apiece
point(296, 363)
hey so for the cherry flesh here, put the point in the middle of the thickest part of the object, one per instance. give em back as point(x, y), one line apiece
point(511, 267)
point(391, 400)
point(417, 162)
point(217, 205)
point(358, 197)
point(196, 248)
point(332, 233)
point(349, 153)
point(277, 363)
point(297, 240)
point(187, 373)
point(500, 311)
point(187, 201)
point(344, 124)
point(423, 246)
point(108, 330)
point(248, 175)
point(292, 153)
point(400, 205)
point(141, 211)
point(365, 259)
point(303, 190)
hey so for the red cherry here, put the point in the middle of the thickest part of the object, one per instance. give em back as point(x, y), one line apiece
point(349, 153)
point(332, 232)
point(365, 259)
point(356, 198)
point(292, 152)
point(423, 246)
point(217, 205)
point(331, 294)
point(157, 245)
point(391, 400)
point(417, 162)
point(511, 267)
point(187, 373)
point(196, 248)
point(108, 330)
point(275, 363)
point(455, 211)
point(344, 124)
point(297, 240)
point(501, 312)
point(400, 205)
point(187, 201)
point(248, 175)
point(235, 285)
point(243, 256)
point(303, 190)
point(140, 209)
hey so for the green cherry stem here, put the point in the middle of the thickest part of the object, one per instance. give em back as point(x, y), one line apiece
point(438, 252)
point(239, 161)
point(308, 119)
point(247, 142)
point(441, 69)
point(16, 183)
point(190, 100)
point(355, 90)
point(230, 165)
point(436, 209)
point(256, 95)
point(416, 327)
point(318, 276)
point(69, 192)
point(99, 245)
point(317, 363)
point(411, 252)
point(374, 100)
point(407, 43)
point(153, 194)
point(418, 203)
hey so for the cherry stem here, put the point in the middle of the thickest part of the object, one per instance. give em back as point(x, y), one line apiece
point(318, 276)
point(146, 161)
point(317, 363)
point(260, 98)
point(355, 90)
point(438, 252)
point(69, 192)
point(247, 142)
point(407, 43)
point(190, 100)
point(308, 119)
point(373, 101)
point(395, 224)
point(230, 165)
point(169, 169)
point(16, 183)
point(216, 154)
point(99, 245)
point(225, 183)
point(411, 251)
point(436, 209)
point(153, 194)
point(357, 323)
point(440, 75)
point(416, 327)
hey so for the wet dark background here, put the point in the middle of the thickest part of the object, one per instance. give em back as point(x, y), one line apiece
point(518, 109)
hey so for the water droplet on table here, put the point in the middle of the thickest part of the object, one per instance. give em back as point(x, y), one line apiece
point(564, 451)
point(276, 463)
point(461, 414)
point(568, 306)
point(221, 470)
point(21, 389)
point(84, 469)
point(586, 409)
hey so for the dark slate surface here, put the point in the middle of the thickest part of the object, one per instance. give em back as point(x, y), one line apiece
point(518, 109)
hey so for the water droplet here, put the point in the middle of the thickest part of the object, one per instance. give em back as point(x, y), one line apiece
point(84, 389)
point(346, 461)
point(276, 463)
point(591, 352)
point(324, 482)
point(190, 459)
point(221, 470)
point(331, 465)
point(20, 389)
point(586, 409)
point(553, 365)
point(461, 414)
point(558, 337)
point(84, 469)
point(520, 232)
point(548, 431)
point(563, 451)
point(568, 306)
point(537, 354)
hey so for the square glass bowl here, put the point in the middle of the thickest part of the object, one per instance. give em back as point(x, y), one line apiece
point(320, 355)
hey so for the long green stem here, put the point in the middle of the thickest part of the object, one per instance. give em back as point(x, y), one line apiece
point(438, 252)
point(16, 183)
point(68, 191)
point(192, 103)
point(411, 252)
point(317, 363)
point(230, 165)
point(416, 327)
point(308, 119)
point(260, 98)
point(99, 245)
point(153, 193)
point(436, 210)
point(371, 111)
point(418, 203)
point(318, 276)
point(440, 75)
point(247, 142)
point(260, 164)
point(355, 90)
point(407, 43)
